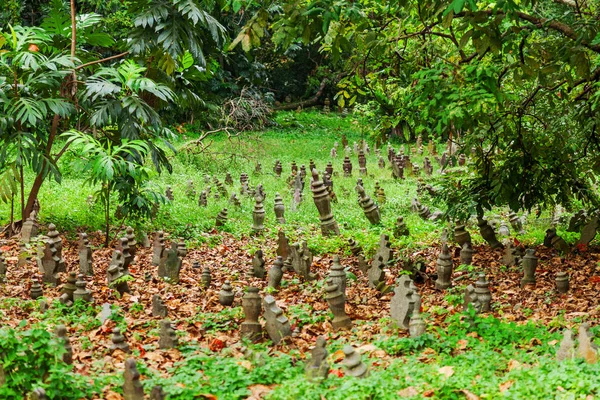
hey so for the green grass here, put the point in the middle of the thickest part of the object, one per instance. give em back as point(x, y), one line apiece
point(296, 137)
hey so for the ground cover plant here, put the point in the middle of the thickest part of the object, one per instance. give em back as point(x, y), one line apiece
point(510, 351)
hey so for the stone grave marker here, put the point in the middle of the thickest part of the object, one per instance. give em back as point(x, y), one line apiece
point(123, 247)
point(3, 267)
point(206, 278)
point(190, 190)
point(81, 293)
point(114, 274)
point(132, 387)
point(466, 254)
point(203, 199)
point(487, 232)
point(228, 179)
point(385, 249)
point(131, 242)
point(277, 324)
point(317, 368)
point(444, 269)
point(68, 289)
point(30, 228)
point(562, 282)
point(283, 245)
point(279, 209)
point(347, 167)
point(118, 341)
point(322, 201)
point(566, 350)
point(36, 289)
point(338, 275)
point(276, 273)
point(158, 307)
point(221, 218)
point(588, 233)
point(404, 302)
point(226, 295)
point(370, 209)
point(461, 235)
point(353, 363)
point(252, 305)
point(375, 274)
point(258, 265)
point(400, 228)
point(337, 304)
point(170, 264)
point(61, 334)
point(158, 248)
point(416, 326)
point(529, 266)
point(51, 262)
point(258, 217)
point(168, 336)
point(169, 193)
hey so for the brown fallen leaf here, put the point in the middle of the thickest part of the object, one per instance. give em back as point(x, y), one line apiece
point(469, 395)
point(447, 371)
point(505, 386)
point(258, 391)
point(408, 392)
point(428, 393)
point(514, 364)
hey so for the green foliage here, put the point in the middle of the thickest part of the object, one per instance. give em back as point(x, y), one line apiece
point(33, 358)
point(516, 81)
point(224, 320)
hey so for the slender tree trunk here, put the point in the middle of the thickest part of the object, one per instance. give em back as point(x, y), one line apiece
point(12, 215)
point(23, 217)
point(107, 216)
point(39, 179)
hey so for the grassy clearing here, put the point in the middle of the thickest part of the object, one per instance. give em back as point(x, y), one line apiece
point(297, 137)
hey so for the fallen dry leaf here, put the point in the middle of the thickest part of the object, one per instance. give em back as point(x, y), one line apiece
point(447, 371)
point(505, 386)
point(408, 392)
point(469, 395)
point(258, 391)
point(514, 364)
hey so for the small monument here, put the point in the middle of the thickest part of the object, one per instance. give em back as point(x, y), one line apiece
point(258, 265)
point(279, 209)
point(353, 362)
point(323, 203)
point(317, 368)
point(158, 307)
point(405, 301)
point(529, 266)
point(226, 295)
point(276, 273)
point(277, 325)
point(170, 264)
point(337, 304)
point(168, 336)
point(132, 387)
point(118, 341)
point(444, 269)
point(251, 303)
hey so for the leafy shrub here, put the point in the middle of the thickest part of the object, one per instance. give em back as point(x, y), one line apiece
point(33, 358)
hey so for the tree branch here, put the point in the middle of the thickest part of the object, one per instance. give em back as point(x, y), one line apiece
point(101, 60)
point(540, 22)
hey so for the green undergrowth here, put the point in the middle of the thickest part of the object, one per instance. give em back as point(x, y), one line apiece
point(483, 355)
